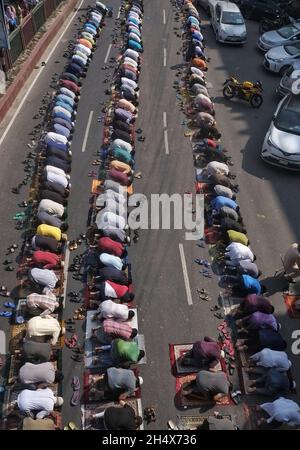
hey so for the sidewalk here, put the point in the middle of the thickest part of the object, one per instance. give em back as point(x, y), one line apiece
point(29, 64)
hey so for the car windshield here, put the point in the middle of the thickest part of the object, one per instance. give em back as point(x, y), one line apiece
point(287, 32)
point(288, 119)
point(292, 49)
point(232, 18)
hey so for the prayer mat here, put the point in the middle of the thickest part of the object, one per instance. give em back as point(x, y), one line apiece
point(191, 422)
point(11, 421)
point(96, 187)
point(176, 351)
point(88, 379)
point(289, 301)
point(244, 358)
point(193, 400)
point(87, 410)
point(38, 424)
point(15, 365)
point(18, 332)
point(104, 360)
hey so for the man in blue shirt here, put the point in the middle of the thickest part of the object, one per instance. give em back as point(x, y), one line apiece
point(270, 382)
point(243, 285)
point(219, 202)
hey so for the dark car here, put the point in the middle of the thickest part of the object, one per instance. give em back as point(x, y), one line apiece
point(263, 9)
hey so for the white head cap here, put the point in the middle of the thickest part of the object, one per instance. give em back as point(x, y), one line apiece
point(59, 401)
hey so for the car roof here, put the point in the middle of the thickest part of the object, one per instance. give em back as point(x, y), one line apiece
point(228, 6)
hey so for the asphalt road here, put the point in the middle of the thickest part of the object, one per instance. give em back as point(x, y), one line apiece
point(268, 197)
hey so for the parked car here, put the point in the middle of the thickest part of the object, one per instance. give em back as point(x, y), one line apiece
point(279, 59)
point(281, 145)
point(290, 82)
point(227, 22)
point(285, 35)
point(263, 9)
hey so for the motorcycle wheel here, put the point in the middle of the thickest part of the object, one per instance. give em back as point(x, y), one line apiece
point(256, 101)
point(228, 91)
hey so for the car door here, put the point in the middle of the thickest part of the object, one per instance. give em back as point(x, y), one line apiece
point(218, 18)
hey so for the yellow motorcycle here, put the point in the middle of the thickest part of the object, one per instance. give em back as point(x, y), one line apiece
point(251, 92)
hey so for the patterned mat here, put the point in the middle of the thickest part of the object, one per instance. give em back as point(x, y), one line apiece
point(88, 410)
point(193, 400)
point(190, 422)
point(89, 379)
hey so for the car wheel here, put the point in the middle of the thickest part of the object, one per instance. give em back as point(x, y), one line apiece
point(247, 13)
point(283, 70)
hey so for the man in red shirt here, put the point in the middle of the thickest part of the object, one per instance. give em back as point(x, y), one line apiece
point(46, 260)
point(110, 290)
point(107, 245)
point(71, 85)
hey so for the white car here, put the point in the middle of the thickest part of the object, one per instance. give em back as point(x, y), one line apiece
point(281, 145)
point(227, 22)
point(290, 82)
point(279, 59)
point(285, 35)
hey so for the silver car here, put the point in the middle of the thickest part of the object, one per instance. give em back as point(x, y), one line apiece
point(227, 22)
point(279, 59)
point(283, 36)
point(281, 145)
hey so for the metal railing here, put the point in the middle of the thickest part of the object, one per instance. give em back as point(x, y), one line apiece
point(21, 37)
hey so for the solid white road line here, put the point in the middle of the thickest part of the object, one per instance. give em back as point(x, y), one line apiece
point(119, 13)
point(164, 16)
point(66, 266)
point(37, 75)
point(87, 131)
point(165, 57)
point(185, 275)
point(107, 53)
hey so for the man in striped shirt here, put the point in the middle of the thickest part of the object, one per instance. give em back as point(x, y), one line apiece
point(47, 303)
point(111, 329)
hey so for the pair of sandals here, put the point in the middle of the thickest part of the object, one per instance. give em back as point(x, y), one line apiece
point(203, 295)
point(236, 397)
point(6, 313)
point(71, 426)
point(71, 343)
point(76, 391)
